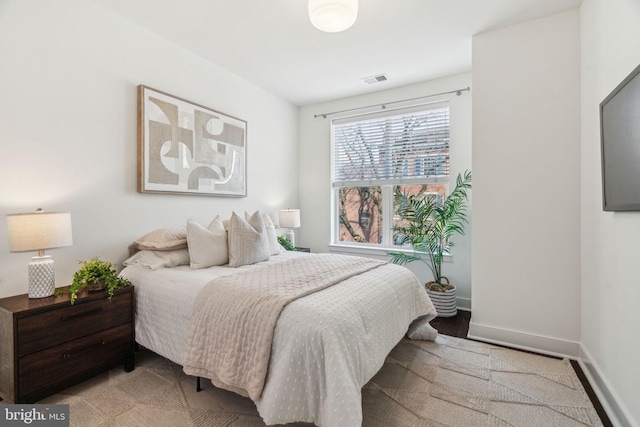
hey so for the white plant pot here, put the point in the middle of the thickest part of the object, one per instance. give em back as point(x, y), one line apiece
point(444, 302)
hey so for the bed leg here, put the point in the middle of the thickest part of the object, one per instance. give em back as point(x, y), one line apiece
point(198, 388)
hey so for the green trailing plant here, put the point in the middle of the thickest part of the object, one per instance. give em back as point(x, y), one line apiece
point(427, 227)
point(96, 271)
point(286, 244)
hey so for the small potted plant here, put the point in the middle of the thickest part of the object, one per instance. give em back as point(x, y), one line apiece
point(94, 275)
point(286, 244)
point(427, 226)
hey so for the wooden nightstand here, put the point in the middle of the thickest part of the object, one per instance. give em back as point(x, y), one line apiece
point(47, 344)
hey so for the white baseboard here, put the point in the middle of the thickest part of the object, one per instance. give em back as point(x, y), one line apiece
point(524, 341)
point(617, 412)
point(464, 303)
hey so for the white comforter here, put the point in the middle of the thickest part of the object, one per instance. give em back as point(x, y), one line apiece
point(326, 346)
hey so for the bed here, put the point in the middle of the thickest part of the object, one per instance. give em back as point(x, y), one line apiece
point(325, 345)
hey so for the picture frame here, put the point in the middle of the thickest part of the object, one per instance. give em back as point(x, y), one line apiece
point(187, 148)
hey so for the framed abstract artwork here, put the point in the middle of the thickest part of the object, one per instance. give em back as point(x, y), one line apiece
point(186, 148)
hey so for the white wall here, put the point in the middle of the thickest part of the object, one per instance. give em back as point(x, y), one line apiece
point(68, 76)
point(526, 166)
point(315, 169)
point(610, 274)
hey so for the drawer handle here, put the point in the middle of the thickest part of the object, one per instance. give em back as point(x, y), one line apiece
point(84, 313)
point(82, 350)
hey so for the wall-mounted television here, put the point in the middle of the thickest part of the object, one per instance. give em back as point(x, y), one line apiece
point(620, 145)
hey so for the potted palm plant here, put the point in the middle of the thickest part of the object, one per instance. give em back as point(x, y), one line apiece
point(427, 225)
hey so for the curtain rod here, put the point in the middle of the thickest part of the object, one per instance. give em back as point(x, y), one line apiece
point(458, 92)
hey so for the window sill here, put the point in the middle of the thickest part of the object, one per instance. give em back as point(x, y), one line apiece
point(370, 250)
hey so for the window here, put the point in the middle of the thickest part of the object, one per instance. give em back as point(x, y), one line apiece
point(374, 156)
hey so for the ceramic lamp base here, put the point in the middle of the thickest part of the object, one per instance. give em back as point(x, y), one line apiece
point(290, 237)
point(42, 277)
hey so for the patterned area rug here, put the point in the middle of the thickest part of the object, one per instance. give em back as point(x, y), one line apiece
point(457, 382)
point(450, 382)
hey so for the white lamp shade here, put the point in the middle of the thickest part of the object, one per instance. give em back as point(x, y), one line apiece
point(333, 16)
point(289, 218)
point(39, 231)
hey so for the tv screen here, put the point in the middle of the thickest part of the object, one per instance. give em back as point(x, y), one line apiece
point(620, 145)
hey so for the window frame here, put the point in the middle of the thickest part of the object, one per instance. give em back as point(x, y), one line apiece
point(386, 244)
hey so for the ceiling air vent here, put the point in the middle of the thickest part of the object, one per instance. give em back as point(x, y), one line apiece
point(375, 79)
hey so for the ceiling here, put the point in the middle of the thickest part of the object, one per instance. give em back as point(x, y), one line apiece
point(272, 44)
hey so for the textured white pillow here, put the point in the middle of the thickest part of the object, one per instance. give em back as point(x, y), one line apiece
point(270, 230)
point(154, 260)
point(248, 241)
point(207, 246)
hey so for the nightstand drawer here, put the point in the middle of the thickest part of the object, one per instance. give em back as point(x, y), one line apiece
point(46, 329)
point(53, 365)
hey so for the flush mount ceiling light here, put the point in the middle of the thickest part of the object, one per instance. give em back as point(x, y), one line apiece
point(333, 16)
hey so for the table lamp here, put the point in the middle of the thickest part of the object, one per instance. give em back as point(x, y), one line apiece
point(36, 232)
point(289, 218)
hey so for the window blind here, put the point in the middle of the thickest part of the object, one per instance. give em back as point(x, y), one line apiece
point(396, 147)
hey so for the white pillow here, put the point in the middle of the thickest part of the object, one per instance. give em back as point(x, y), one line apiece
point(154, 260)
point(248, 241)
point(270, 230)
point(207, 246)
point(162, 239)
